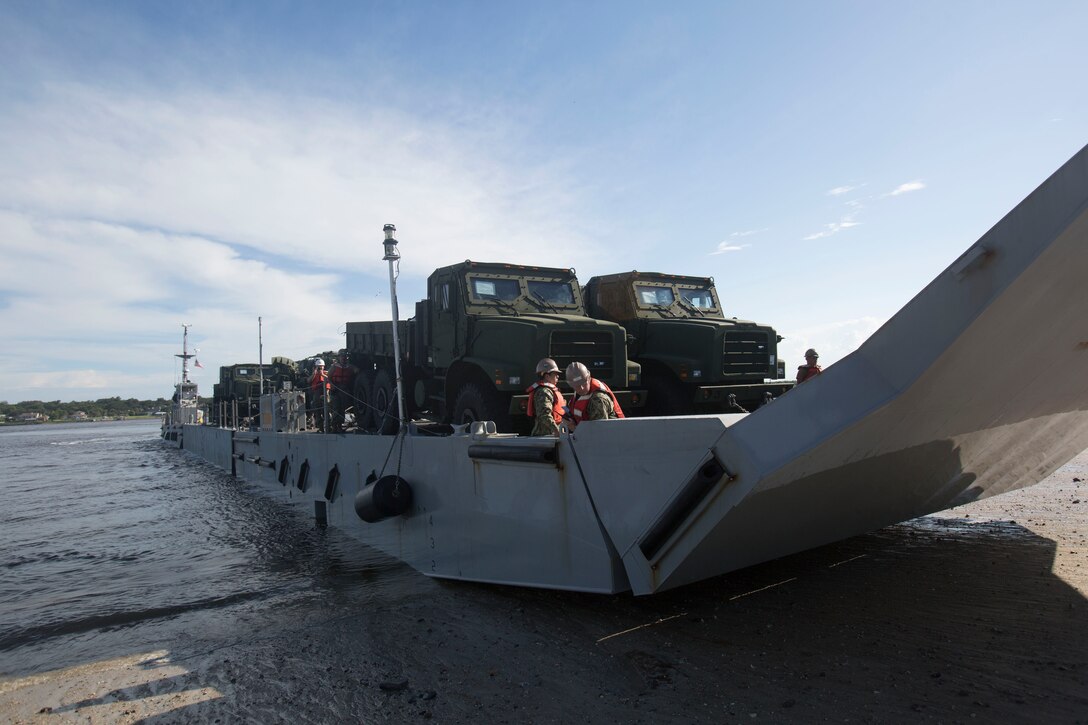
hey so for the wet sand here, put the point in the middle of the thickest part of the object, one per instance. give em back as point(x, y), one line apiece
point(975, 614)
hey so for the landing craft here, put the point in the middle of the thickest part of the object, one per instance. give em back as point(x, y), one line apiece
point(923, 416)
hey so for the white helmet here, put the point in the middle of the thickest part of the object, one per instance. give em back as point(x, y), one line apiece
point(320, 363)
point(546, 365)
point(577, 373)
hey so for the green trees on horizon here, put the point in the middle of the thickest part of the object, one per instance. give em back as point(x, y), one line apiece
point(101, 408)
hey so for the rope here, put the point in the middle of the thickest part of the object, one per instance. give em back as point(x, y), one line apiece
point(360, 403)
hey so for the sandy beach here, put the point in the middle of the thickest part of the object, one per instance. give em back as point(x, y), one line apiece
point(974, 614)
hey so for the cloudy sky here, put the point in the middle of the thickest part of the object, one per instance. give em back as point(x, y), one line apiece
point(208, 163)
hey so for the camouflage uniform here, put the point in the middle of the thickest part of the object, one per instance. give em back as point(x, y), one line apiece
point(600, 407)
point(543, 422)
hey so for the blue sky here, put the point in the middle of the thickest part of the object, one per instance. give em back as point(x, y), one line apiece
point(209, 163)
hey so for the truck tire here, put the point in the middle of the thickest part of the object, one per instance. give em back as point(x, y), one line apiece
point(385, 404)
point(476, 402)
point(364, 414)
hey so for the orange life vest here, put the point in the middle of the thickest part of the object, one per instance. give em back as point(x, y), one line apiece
point(557, 404)
point(319, 377)
point(581, 402)
point(806, 372)
point(342, 375)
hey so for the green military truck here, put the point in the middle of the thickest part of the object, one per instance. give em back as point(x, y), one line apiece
point(694, 359)
point(472, 347)
point(237, 394)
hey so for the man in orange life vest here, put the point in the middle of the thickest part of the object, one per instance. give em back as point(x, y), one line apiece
point(811, 370)
point(319, 390)
point(546, 403)
point(341, 378)
point(593, 400)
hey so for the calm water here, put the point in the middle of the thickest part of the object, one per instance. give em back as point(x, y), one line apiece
point(110, 540)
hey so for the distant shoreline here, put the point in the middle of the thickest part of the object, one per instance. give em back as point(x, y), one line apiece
point(119, 419)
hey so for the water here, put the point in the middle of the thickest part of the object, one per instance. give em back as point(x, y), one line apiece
point(111, 541)
point(138, 583)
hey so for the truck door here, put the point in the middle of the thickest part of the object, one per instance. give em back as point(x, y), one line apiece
point(445, 308)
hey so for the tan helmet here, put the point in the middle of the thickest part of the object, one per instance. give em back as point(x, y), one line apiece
point(577, 373)
point(811, 352)
point(546, 365)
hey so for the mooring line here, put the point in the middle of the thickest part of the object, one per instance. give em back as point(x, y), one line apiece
point(642, 626)
point(763, 589)
point(847, 561)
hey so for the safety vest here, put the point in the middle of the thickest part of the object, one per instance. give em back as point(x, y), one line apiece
point(319, 377)
point(342, 375)
point(805, 372)
point(557, 402)
point(581, 402)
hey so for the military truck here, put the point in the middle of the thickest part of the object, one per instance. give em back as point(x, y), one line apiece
point(693, 358)
point(237, 394)
point(471, 349)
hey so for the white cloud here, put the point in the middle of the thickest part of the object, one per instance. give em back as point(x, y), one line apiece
point(314, 180)
point(724, 247)
point(833, 228)
point(727, 246)
point(123, 215)
point(907, 187)
point(840, 190)
point(833, 340)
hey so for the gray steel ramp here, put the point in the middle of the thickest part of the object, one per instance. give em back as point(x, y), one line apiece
point(978, 386)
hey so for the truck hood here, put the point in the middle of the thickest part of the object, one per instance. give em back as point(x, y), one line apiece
point(544, 319)
point(711, 322)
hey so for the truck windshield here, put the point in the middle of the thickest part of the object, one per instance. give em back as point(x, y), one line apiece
point(494, 289)
point(553, 292)
point(699, 298)
point(654, 295)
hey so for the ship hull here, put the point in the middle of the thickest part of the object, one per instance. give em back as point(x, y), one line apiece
point(977, 387)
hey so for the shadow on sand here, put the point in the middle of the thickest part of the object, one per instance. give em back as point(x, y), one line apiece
point(934, 619)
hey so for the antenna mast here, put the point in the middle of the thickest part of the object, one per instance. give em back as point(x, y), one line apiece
point(391, 256)
point(260, 354)
point(185, 352)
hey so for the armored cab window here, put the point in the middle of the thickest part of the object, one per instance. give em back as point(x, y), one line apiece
point(495, 289)
point(554, 292)
point(654, 295)
point(699, 298)
point(243, 371)
point(442, 298)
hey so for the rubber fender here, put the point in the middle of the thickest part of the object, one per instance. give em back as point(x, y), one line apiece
point(388, 496)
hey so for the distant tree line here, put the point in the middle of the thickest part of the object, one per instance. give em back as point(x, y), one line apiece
point(102, 408)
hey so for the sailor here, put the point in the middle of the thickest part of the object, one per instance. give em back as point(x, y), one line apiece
point(341, 379)
point(546, 404)
point(811, 369)
point(319, 391)
point(320, 378)
point(593, 400)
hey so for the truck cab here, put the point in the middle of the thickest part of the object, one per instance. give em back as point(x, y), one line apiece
point(237, 394)
point(693, 358)
point(472, 348)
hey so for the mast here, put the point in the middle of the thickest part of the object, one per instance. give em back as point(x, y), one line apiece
point(185, 353)
point(260, 354)
point(391, 256)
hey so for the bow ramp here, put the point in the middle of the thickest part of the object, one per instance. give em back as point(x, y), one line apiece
point(977, 387)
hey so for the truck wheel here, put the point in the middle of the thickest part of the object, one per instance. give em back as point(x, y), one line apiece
point(364, 414)
point(477, 403)
point(385, 404)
